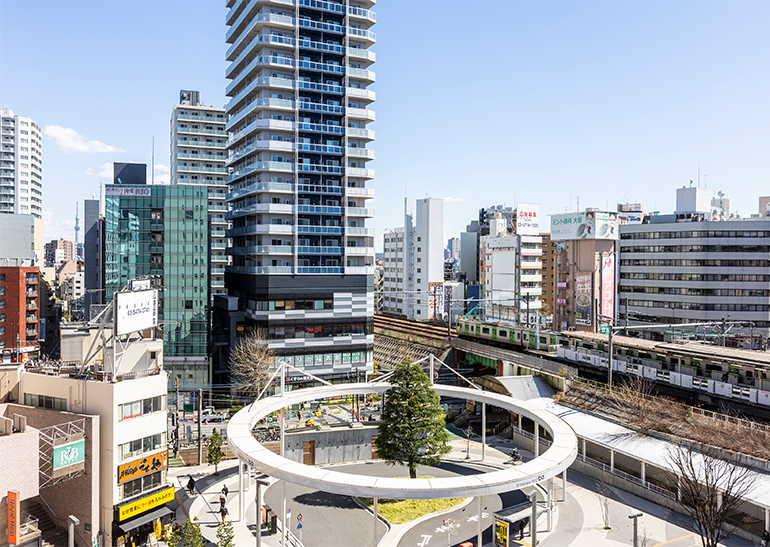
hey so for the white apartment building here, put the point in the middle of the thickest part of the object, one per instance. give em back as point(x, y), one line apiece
point(21, 165)
point(413, 262)
point(511, 267)
point(302, 256)
point(198, 156)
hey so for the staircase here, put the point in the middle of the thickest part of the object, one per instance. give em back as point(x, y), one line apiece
point(51, 535)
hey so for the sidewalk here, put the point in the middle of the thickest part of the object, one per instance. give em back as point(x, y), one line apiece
point(577, 522)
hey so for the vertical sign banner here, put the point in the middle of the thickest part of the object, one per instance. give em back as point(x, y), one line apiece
point(14, 512)
point(608, 286)
point(501, 533)
point(583, 291)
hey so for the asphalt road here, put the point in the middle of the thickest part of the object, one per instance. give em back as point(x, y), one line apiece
point(331, 519)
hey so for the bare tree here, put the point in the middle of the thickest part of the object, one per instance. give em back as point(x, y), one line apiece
point(604, 503)
point(711, 484)
point(251, 361)
point(636, 399)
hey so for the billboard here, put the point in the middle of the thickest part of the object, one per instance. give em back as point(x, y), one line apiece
point(14, 512)
point(528, 219)
point(145, 504)
point(69, 455)
point(583, 292)
point(630, 217)
point(435, 300)
point(587, 225)
point(608, 286)
point(134, 311)
point(142, 466)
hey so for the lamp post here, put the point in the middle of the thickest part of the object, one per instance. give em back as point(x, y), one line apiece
point(636, 537)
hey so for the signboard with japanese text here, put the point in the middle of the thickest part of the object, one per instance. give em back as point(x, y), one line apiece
point(501, 533)
point(135, 311)
point(629, 217)
point(583, 292)
point(608, 286)
point(145, 504)
point(142, 466)
point(528, 219)
point(588, 225)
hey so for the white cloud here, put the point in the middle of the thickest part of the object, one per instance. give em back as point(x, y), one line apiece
point(55, 227)
point(162, 174)
point(104, 171)
point(69, 140)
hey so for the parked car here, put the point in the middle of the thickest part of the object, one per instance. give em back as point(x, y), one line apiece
point(210, 416)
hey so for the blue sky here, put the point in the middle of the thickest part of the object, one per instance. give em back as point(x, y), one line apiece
point(479, 102)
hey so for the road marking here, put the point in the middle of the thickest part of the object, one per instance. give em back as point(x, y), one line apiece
point(673, 540)
point(425, 540)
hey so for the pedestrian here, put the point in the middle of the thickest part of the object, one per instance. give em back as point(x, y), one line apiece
point(223, 512)
point(176, 448)
point(222, 500)
point(522, 525)
point(765, 538)
point(225, 491)
point(191, 485)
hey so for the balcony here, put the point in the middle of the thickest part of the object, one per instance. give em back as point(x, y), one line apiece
point(359, 251)
point(256, 229)
point(322, 169)
point(321, 128)
point(321, 230)
point(365, 153)
point(276, 208)
point(359, 192)
point(286, 167)
point(272, 39)
point(320, 270)
point(361, 172)
point(261, 250)
point(319, 107)
point(361, 114)
point(362, 14)
point(264, 83)
point(258, 270)
point(258, 104)
point(31, 332)
point(280, 125)
point(321, 67)
point(319, 189)
point(359, 212)
point(32, 305)
point(356, 231)
point(362, 73)
point(277, 146)
point(318, 25)
point(261, 60)
point(360, 133)
point(320, 250)
point(260, 187)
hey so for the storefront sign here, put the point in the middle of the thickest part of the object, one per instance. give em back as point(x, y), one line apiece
point(528, 219)
point(142, 466)
point(145, 504)
point(501, 533)
point(13, 517)
point(70, 453)
point(583, 298)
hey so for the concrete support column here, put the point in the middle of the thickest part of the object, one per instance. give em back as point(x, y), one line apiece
point(519, 421)
point(483, 430)
point(612, 460)
point(284, 531)
point(258, 516)
point(549, 500)
point(767, 518)
point(536, 450)
point(532, 521)
point(375, 522)
point(564, 485)
point(241, 509)
point(583, 445)
point(644, 472)
point(479, 528)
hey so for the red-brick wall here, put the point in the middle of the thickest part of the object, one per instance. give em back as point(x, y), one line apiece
point(22, 308)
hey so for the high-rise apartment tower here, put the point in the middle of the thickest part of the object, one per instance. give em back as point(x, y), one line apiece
point(21, 165)
point(298, 113)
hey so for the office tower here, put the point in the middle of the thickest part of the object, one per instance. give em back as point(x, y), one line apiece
point(162, 231)
point(198, 154)
point(22, 238)
point(21, 165)
point(93, 256)
point(58, 251)
point(413, 262)
point(298, 113)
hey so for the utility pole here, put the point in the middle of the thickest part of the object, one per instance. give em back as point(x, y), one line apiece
point(200, 418)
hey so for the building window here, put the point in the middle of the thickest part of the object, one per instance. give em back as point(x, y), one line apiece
point(141, 446)
point(2, 303)
point(2, 318)
point(134, 409)
point(44, 401)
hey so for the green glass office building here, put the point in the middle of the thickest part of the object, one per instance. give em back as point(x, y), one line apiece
point(162, 231)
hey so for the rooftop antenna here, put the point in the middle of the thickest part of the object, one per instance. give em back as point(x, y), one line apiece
point(152, 179)
point(698, 174)
point(77, 225)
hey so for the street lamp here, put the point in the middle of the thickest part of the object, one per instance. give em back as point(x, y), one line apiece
point(635, 517)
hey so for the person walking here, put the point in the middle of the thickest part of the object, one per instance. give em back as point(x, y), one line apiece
point(223, 512)
point(522, 525)
point(222, 500)
point(225, 491)
point(765, 538)
point(191, 486)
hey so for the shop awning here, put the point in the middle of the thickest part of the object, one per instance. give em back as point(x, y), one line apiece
point(132, 524)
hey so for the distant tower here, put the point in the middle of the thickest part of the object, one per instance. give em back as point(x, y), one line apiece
point(77, 225)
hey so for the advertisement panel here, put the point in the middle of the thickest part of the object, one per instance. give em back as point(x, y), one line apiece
point(608, 286)
point(142, 466)
point(435, 300)
point(583, 292)
point(13, 517)
point(135, 311)
point(145, 504)
point(501, 533)
point(590, 225)
point(69, 455)
point(630, 217)
point(528, 219)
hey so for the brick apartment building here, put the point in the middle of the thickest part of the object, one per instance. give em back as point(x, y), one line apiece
point(19, 310)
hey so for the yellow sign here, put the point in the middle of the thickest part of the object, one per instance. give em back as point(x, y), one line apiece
point(142, 466)
point(144, 504)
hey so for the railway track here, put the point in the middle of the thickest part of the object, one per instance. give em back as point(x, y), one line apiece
point(411, 331)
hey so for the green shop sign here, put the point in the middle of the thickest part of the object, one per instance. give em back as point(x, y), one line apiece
point(68, 454)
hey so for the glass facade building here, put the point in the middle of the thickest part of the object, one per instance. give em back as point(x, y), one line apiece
point(162, 231)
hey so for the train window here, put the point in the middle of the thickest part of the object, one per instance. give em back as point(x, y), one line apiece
point(543, 340)
point(503, 334)
point(484, 330)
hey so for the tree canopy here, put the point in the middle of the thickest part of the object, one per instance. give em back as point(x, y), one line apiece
point(412, 432)
point(215, 452)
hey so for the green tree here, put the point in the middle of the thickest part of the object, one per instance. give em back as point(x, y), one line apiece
point(413, 430)
point(189, 535)
point(225, 535)
point(215, 453)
